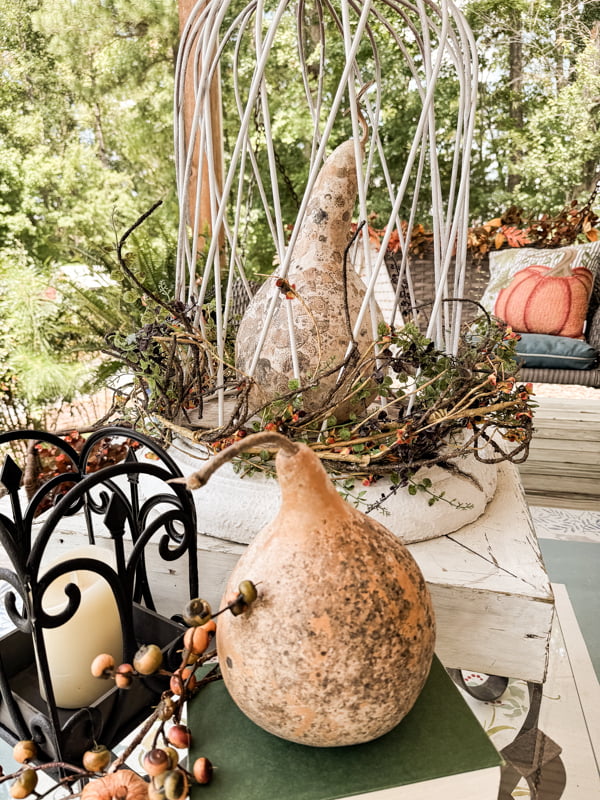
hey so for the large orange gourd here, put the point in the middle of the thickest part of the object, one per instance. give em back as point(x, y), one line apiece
point(543, 300)
point(339, 643)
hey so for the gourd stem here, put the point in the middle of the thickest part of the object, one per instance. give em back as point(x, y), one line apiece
point(262, 440)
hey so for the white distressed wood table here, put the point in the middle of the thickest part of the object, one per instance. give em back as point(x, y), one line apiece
point(491, 592)
point(492, 596)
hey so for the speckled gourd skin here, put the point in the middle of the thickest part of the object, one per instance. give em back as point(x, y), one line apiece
point(326, 227)
point(339, 643)
point(316, 271)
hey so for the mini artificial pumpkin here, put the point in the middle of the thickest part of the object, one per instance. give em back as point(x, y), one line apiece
point(544, 300)
point(123, 784)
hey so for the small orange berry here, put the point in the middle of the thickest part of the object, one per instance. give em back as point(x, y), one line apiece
point(182, 679)
point(202, 770)
point(148, 659)
point(24, 784)
point(97, 759)
point(196, 640)
point(166, 709)
point(124, 676)
point(248, 591)
point(156, 761)
point(179, 736)
point(210, 627)
point(24, 751)
point(103, 666)
point(197, 612)
point(175, 785)
point(173, 756)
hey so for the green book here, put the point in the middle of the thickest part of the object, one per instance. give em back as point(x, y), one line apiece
point(439, 750)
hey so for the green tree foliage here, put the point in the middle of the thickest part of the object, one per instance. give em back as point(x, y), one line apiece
point(536, 96)
point(86, 118)
point(85, 148)
point(34, 346)
point(561, 144)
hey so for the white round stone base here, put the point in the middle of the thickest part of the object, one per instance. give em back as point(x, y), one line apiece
point(234, 508)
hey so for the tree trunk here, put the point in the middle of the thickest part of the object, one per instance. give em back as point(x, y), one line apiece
point(185, 7)
point(516, 98)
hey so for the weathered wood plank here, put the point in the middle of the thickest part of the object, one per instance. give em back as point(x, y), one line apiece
point(569, 414)
point(565, 404)
point(560, 433)
point(509, 633)
point(586, 466)
point(561, 500)
point(566, 425)
point(553, 481)
point(563, 468)
point(571, 475)
point(542, 448)
point(566, 501)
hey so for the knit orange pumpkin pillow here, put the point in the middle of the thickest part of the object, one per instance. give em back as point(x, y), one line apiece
point(544, 300)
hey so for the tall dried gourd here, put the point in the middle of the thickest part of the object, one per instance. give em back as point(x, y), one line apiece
point(337, 646)
point(320, 328)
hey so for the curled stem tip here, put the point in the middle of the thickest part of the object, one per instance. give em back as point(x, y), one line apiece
point(265, 439)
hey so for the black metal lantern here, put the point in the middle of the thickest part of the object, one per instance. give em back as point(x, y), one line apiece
point(129, 507)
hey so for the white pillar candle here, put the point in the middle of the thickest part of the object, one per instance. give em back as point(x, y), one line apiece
point(94, 628)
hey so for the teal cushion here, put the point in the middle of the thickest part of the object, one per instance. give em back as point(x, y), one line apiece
point(554, 352)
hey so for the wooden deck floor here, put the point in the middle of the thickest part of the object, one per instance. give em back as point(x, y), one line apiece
point(563, 468)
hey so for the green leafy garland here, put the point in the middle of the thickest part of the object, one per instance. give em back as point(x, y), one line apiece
point(431, 408)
